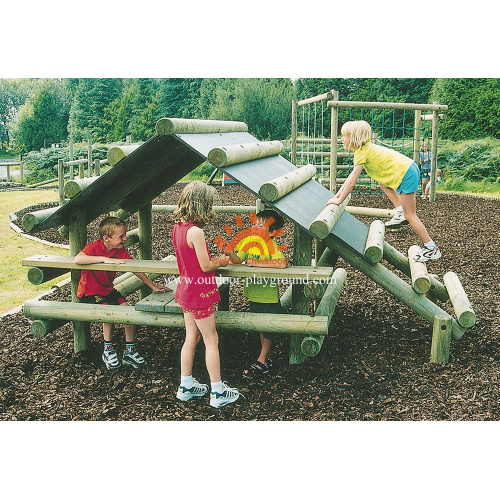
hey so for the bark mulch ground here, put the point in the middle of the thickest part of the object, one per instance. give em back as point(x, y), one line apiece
point(374, 364)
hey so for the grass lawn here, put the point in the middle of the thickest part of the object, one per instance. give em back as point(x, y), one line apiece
point(14, 285)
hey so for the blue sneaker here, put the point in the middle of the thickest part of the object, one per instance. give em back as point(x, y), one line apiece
point(228, 395)
point(197, 391)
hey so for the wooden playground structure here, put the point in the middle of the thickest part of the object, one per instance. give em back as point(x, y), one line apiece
point(140, 173)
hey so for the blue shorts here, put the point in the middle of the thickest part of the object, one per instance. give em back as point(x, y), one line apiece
point(410, 181)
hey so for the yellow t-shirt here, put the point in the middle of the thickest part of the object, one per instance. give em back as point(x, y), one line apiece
point(263, 290)
point(383, 164)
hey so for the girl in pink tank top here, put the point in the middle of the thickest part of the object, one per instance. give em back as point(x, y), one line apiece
point(197, 292)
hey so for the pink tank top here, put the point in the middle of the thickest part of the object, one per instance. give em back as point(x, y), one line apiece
point(195, 289)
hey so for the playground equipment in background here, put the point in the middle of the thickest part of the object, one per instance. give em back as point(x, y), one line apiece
point(146, 171)
point(400, 126)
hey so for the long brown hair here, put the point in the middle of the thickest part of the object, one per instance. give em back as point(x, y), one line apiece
point(195, 203)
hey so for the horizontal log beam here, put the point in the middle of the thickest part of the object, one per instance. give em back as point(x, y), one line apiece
point(218, 209)
point(33, 219)
point(169, 126)
point(459, 300)
point(317, 98)
point(225, 320)
point(323, 224)
point(371, 212)
point(374, 247)
point(170, 267)
point(117, 153)
point(240, 153)
point(282, 185)
point(420, 280)
point(73, 187)
point(386, 105)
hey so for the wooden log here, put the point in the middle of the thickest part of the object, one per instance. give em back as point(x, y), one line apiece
point(218, 209)
point(293, 134)
point(117, 153)
point(282, 185)
point(132, 237)
point(225, 320)
point(317, 98)
point(73, 187)
point(145, 221)
point(302, 254)
point(239, 153)
point(322, 225)
point(392, 283)
point(334, 131)
point(371, 212)
point(441, 336)
point(401, 262)
point(60, 178)
point(32, 219)
point(434, 148)
point(459, 300)
point(386, 105)
point(170, 267)
point(75, 162)
point(374, 247)
point(97, 167)
point(77, 240)
point(39, 275)
point(169, 126)
point(311, 345)
point(41, 327)
point(420, 280)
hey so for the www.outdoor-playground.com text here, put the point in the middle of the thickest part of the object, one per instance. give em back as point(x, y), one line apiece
point(259, 280)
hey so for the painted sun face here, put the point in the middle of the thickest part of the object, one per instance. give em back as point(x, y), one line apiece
point(117, 239)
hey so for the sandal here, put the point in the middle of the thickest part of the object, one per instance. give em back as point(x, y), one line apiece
point(257, 369)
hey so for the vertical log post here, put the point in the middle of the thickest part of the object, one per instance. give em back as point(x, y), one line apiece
point(81, 168)
point(302, 254)
point(21, 169)
point(97, 167)
point(60, 179)
point(441, 336)
point(71, 167)
point(333, 144)
point(145, 220)
point(8, 173)
point(293, 137)
point(432, 180)
point(128, 139)
point(77, 240)
point(416, 136)
point(89, 158)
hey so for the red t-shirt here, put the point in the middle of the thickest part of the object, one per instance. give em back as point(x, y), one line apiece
point(99, 282)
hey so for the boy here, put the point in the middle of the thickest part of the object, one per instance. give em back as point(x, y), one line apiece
point(96, 287)
point(263, 297)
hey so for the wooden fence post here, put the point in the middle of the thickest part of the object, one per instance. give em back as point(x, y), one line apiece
point(293, 136)
point(333, 143)
point(434, 147)
point(60, 179)
point(145, 221)
point(441, 336)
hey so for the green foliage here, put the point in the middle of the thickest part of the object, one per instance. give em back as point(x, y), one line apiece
point(42, 119)
point(474, 107)
point(471, 160)
point(42, 164)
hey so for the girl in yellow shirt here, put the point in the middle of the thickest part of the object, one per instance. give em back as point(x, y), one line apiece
point(397, 175)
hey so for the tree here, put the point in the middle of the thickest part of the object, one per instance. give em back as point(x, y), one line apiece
point(473, 107)
point(43, 118)
point(91, 97)
point(13, 93)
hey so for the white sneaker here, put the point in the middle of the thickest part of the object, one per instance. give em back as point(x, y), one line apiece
point(196, 391)
point(399, 219)
point(425, 254)
point(111, 360)
point(228, 395)
point(133, 359)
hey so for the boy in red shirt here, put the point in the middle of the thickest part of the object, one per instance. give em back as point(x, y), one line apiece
point(96, 287)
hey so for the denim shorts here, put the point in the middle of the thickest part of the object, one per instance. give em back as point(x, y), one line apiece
point(410, 181)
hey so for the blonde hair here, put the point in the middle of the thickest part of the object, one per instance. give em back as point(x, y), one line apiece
point(195, 203)
point(108, 226)
point(359, 133)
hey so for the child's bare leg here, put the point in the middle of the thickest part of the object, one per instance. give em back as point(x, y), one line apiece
point(189, 347)
point(211, 340)
point(129, 330)
point(392, 195)
point(107, 332)
point(265, 348)
point(410, 210)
